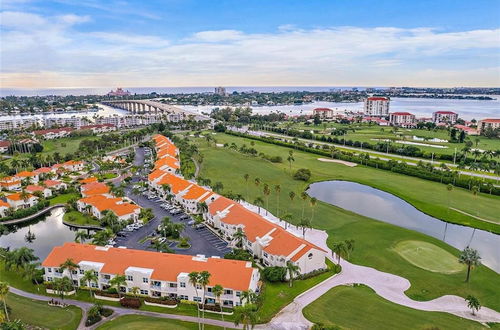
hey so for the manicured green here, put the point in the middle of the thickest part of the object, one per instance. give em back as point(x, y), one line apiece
point(107, 176)
point(64, 198)
point(428, 256)
point(139, 322)
point(77, 218)
point(40, 314)
point(374, 239)
point(360, 307)
point(12, 277)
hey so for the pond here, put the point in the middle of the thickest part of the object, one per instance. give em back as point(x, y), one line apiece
point(383, 206)
point(40, 235)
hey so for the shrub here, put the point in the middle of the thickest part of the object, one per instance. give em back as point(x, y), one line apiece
point(163, 301)
point(239, 254)
point(219, 127)
point(130, 302)
point(107, 293)
point(303, 174)
point(106, 312)
point(92, 319)
point(274, 274)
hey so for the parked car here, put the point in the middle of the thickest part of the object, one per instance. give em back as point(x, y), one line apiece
point(191, 222)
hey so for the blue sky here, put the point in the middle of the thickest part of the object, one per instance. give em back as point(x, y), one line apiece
point(91, 43)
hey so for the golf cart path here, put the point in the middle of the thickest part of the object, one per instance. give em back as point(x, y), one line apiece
point(119, 311)
point(388, 286)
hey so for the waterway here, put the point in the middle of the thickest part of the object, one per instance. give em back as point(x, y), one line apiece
point(40, 235)
point(383, 206)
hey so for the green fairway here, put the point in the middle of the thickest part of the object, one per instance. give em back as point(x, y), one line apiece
point(65, 145)
point(40, 314)
point(374, 239)
point(138, 322)
point(428, 256)
point(361, 308)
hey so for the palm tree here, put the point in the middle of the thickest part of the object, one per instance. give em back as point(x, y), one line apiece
point(304, 196)
point(246, 315)
point(349, 247)
point(304, 224)
point(340, 250)
point(217, 291)
point(246, 177)
point(471, 258)
point(287, 218)
point(259, 202)
point(135, 291)
point(277, 189)
point(267, 192)
point(194, 281)
point(202, 207)
point(292, 270)
point(62, 285)
point(239, 236)
point(117, 282)
point(70, 265)
point(81, 236)
point(248, 296)
point(204, 280)
point(313, 204)
point(30, 272)
point(218, 187)
point(4, 291)
point(257, 182)
point(290, 159)
point(88, 277)
point(473, 304)
point(291, 195)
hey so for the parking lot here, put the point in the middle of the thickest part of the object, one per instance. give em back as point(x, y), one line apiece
point(202, 240)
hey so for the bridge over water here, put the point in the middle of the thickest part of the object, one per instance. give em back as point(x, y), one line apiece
point(153, 107)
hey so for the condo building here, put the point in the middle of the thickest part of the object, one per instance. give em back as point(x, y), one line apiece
point(155, 274)
point(377, 106)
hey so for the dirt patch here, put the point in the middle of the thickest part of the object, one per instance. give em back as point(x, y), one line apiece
point(343, 162)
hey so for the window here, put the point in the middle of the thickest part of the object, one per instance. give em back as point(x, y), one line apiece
point(106, 277)
point(183, 297)
point(172, 285)
point(310, 256)
point(227, 291)
point(74, 272)
point(130, 278)
point(49, 270)
point(145, 280)
point(265, 255)
point(198, 287)
point(238, 293)
point(197, 299)
point(156, 283)
point(183, 284)
point(96, 273)
point(49, 279)
point(82, 271)
point(93, 284)
point(144, 292)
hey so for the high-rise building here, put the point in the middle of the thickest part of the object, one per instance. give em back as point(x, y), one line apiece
point(377, 106)
point(220, 91)
point(448, 117)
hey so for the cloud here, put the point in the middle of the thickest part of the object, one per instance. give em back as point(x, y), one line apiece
point(52, 50)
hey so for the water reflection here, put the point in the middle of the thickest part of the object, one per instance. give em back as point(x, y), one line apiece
point(41, 235)
point(386, 207)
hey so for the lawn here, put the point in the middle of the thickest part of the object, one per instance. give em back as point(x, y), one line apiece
point(65, 145)
point(77, 218)
point(62, 199)
point(139, 322)
point(428, 256)
point(374, 239)
point(40, 314)
point(360, 307)
point(275, 296)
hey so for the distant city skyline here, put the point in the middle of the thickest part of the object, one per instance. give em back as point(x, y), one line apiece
point(88, 43)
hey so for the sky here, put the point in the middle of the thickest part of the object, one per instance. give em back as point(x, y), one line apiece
point(176, 43)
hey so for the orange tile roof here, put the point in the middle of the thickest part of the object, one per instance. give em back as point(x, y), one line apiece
point(95, 188)
point(167, 161)
point(282, 243)
point(196, 192)
point(103, 203)
point(166, 153)
point(177, 184)
point(231, 274)
point(25, 174)
point(52, 183)
point(17, 196)
point(72, 162)
point(90, 179)
point(33, 188)
point(4, 204)
point(123, 208)
point(156, 174)
point(42, 170)
point(10, 183)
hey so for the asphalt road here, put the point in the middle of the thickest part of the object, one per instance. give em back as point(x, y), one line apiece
point(202, 241)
